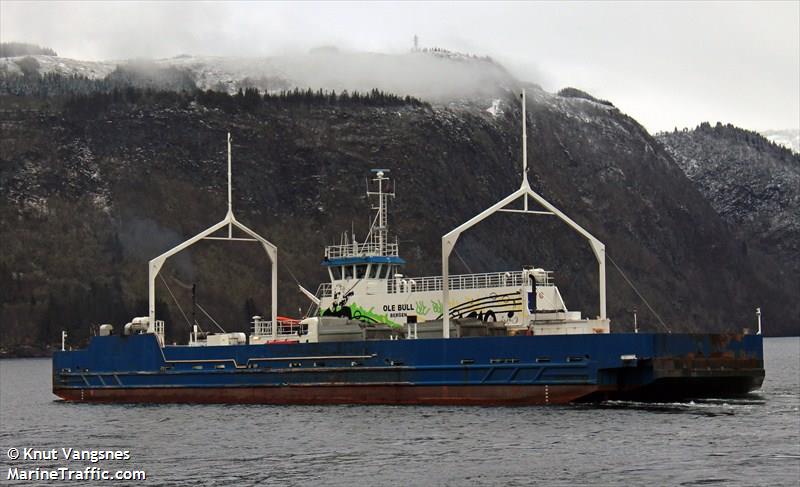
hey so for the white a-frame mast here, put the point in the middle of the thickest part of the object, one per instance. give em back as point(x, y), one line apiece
point(230, 222)
point(449, 240)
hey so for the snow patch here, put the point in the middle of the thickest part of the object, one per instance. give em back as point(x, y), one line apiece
point(495, 109)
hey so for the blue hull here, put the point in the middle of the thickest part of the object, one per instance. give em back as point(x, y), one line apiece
point(480, 370)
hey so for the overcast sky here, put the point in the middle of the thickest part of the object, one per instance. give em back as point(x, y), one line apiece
point(666, 64)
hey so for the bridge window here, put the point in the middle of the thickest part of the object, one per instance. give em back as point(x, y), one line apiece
point(348, 271)
point(374, 269)
point(361, 271)
point(336, 273)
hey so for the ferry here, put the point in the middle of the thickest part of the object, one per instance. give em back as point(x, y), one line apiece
point(374, 335)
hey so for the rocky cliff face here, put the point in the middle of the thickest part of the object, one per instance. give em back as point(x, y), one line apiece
point(93, 190)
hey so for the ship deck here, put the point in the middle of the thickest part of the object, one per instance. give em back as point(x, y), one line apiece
point(478, 370)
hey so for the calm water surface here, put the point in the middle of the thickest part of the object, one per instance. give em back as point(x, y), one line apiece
point(751, 441)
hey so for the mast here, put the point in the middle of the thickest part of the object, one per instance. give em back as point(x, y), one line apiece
point(229, 221)
point(381, 223)
point(449, 239)
point(230, 188)
point(524, 145)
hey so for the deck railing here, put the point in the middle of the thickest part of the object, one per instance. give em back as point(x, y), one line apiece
point(158, 328)
point(263, 328)
point(360, 249)
point(460, 281)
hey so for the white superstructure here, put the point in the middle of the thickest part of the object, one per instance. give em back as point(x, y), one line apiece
point(367, 285)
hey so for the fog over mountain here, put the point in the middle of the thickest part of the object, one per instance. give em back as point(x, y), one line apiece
point(666, 63)
point(436, 75)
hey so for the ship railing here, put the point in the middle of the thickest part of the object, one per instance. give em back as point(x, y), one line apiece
point(459, 281)
point(286, 328)
point(361, 249)
point(158, 328)
point(464, 281)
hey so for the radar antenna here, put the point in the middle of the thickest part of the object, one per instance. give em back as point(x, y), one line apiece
point(380, 225)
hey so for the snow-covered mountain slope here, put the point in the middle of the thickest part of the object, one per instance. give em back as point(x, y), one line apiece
point(12, 66)
point(433, 75)
point(752, 183)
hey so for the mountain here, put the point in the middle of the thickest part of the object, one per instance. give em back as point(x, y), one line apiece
point(436, 75)
point(95, 184)
point(14, 49)
point(753, 184)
